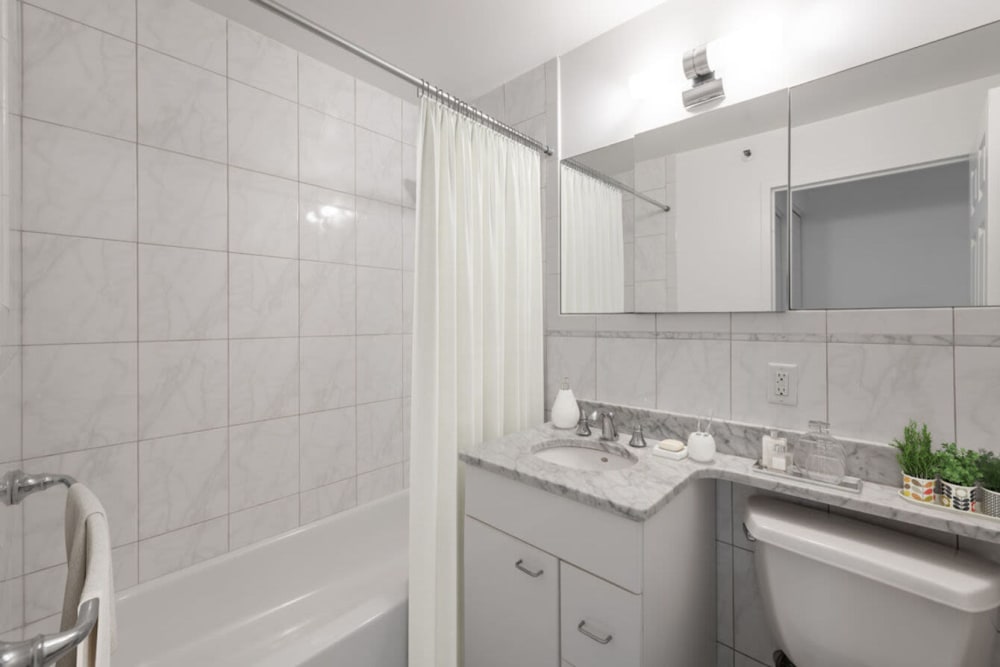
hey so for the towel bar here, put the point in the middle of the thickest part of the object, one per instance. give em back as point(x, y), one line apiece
point(42, 651)
point(16, 485)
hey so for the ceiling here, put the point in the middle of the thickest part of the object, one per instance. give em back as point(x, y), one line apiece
point(468, 47)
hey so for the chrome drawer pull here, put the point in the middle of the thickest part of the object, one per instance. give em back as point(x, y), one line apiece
point(520, 565)
point(599, 640)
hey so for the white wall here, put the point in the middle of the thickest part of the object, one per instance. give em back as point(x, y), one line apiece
point(756, 47)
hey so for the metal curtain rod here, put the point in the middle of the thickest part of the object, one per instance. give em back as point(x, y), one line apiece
point(424, 86)
point(593, 173)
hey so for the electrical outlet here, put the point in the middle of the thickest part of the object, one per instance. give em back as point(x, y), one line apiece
point(783, 384)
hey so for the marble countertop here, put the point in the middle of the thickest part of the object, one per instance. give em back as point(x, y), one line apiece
point(641, 490)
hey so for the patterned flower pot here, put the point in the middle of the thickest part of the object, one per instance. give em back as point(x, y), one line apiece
point(989, 502)
point(958, 497)
point(919, 488)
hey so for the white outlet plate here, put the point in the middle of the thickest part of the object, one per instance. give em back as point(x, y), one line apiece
point(783, 384)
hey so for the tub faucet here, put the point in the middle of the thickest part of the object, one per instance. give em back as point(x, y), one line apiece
point(608, 430)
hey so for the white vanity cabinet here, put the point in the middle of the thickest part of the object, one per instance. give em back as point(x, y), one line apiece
point(551, 581)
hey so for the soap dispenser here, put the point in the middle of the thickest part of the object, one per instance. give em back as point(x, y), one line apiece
point(565, 411)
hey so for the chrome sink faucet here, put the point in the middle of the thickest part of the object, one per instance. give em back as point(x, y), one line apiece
point(608, 430)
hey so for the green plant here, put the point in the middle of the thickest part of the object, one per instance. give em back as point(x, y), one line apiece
point(989, 470)
point(914, 454)
point(958, 466)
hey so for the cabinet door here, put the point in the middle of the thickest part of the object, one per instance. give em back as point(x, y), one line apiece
point(601, 623)
point(511, 601)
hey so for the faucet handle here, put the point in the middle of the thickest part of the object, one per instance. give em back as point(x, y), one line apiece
point(638, 440)
point(583, 426)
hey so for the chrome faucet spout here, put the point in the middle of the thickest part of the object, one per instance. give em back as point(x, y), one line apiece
point(608, 430)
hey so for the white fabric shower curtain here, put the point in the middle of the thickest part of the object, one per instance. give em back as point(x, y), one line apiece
point(477, 344)
point(593, 245)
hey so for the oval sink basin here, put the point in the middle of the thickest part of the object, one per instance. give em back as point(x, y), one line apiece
point(585, 455)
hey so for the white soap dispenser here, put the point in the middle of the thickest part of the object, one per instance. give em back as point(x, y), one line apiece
point(565, 411)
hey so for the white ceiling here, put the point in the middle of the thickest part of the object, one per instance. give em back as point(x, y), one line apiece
point(467, 47)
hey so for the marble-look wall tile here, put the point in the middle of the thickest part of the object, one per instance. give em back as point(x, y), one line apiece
point(328, 447)
point(263, 379)
point(263, 214)
point(326, 151)
point(114, 16)
point(409, 175)
point(381, 293)
point(262, 62)
point(977, 395)
point(11, 605)
point(263, 132)
point(43, 593)
point(751, 634)
point(263, 462)
point(78, 397)
point(724, 656)
point(750, 378)
point(325, 89)
point(327, 225)
point(626, 371)
point(181, 107)
point(380, 368)
point(740, 660)
point(327, 375)
point(791, 326)
point(78, 183)
point(182, 387)
point(977, 326)
point(408, 277)
point(923, 326)
point(724, 511)
point(524, 97)
point(380, 434)
point(78, 290)
point(182, 294)
point(626, 322)
point(724, 593)
point(263, 297)
point(125, 562)
point(183, 480)
point(379, 170)
point(65, 60)
point(693, 377)
point(379, 483)
point(327, 297)
point(110, 472)
point(876, 389)
point(185, 30)
point(572, 357)
point(698, 324)
point(379, 111)
point(182, 200)
point(10, 406)
point(411, 123)
point(380, 234)
point(263, 521)
point(182, 548)
point(325, 501)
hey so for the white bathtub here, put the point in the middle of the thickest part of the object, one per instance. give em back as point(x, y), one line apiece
point(331, 594)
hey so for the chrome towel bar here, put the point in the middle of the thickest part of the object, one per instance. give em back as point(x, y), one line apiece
point(42, 650)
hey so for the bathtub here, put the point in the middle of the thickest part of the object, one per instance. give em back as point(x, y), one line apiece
point(330, 594)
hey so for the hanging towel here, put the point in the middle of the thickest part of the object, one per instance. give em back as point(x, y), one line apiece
point(88, 554)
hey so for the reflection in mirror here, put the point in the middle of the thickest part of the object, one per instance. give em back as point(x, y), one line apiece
point(891, 176)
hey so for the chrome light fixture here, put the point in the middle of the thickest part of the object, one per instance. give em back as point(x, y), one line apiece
point(704, 86)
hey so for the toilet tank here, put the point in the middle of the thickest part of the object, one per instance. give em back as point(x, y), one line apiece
point(842, 593)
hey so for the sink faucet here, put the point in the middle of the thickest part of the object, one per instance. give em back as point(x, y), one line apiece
point(608, 430)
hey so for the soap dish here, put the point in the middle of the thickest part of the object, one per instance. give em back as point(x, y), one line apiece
point(673, 456)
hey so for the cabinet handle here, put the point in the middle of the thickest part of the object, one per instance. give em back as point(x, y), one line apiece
point(596, 638)
point(520, 565)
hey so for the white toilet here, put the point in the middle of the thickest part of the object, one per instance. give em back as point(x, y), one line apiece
point(842, 593)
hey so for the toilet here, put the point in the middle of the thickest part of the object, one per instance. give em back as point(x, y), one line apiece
point(842, 593)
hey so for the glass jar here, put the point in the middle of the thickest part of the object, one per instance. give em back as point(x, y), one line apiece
point(824, 458)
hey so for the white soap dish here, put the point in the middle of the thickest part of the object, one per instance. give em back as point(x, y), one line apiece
point(674, 454)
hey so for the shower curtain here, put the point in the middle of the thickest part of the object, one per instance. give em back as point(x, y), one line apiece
point(477, 344)
point(593, 245)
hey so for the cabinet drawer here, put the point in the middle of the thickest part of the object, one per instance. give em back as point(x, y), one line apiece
point(611, 633)
point(511, 601)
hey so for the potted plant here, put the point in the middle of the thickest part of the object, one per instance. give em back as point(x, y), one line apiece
point(959, 472)
point(989, 481)
point(918, 462)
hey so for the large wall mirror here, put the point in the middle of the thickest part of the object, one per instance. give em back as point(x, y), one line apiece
point(891, 164)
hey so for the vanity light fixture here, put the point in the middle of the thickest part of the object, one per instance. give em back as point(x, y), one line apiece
point(704, 86)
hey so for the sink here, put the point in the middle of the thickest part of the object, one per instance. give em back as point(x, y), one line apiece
point(585, 454)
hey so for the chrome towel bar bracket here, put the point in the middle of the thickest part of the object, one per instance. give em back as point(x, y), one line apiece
point(16, 485)
point(42, 650)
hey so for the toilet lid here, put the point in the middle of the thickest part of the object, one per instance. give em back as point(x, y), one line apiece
point(930, 570)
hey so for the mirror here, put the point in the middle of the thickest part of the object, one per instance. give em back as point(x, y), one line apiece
point(688, 217)
point(893, 164)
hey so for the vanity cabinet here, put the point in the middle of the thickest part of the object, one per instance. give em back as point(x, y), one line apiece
point(551, 581)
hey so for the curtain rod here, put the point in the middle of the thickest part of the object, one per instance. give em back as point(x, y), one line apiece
point(424, 87)
point(593, 173)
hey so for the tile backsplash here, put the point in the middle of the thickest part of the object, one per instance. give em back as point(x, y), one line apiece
point(217, 250)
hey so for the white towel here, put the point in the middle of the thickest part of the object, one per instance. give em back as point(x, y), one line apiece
point(88, 554)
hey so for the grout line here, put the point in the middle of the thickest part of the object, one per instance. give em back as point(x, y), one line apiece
point(229, 326)
point(138, 273)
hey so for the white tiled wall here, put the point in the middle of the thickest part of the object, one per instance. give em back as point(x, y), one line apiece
point(215, 268)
